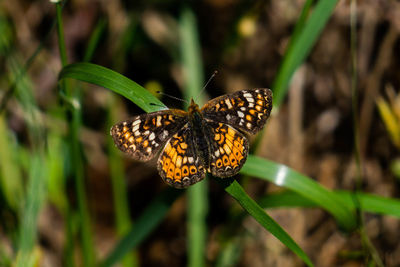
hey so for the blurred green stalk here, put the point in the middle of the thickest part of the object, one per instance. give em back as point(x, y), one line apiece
point(197, 194)
point(72, 99)
point(117, 174)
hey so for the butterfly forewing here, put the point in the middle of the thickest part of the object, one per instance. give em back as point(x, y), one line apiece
point(228, 150)
point(246, 110)
point(179, 163)
point(144, 135)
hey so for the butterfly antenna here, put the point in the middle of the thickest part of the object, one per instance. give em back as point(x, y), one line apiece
point(173, 97)
point(209, 80)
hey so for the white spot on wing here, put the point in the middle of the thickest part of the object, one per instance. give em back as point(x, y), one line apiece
point(246, 95)
point(136, 122)
point(228, 117)
point(164, 134)
point(191, 160)
point(240, 114)
point(158, 123)
point(228, 103)
point(152, 136)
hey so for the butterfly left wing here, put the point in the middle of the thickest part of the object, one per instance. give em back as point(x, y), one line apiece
point(246, 110)
point(143, 136)
point(179, 164)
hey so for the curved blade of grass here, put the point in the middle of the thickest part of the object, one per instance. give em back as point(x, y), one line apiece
point(281, 175)
point(197, 194)
point(300, 47)
point(238, 193)
point(144, 225)
point(114, 81)
point(369, 202)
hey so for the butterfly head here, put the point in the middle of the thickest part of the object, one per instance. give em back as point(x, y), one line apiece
point(193, 107)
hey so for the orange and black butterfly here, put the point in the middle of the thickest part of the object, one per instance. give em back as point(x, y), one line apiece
point(211, 139)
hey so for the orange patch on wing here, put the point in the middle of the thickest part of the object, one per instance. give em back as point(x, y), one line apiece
point(178, 174)
point(219, 163)
point(192, 169)
point(183, 145)
point(237, 153)
point(127, 135)
point(233, 160)
point(221, 140)
point(166, 163)
point(145, 143)
point(225, 160)
point(185, 171)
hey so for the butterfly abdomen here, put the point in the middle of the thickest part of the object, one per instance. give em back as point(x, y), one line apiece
point(199, 126)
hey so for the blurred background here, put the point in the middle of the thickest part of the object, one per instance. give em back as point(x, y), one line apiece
point(67, 195)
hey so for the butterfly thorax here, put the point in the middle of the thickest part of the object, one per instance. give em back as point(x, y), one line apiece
point(193, 108)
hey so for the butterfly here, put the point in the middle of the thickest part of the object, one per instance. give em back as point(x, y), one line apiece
point(211, 139)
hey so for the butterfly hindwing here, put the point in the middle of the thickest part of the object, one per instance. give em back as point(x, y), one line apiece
point(246, 110)
point(179, 164)
point(144, 135)
point(228, 150)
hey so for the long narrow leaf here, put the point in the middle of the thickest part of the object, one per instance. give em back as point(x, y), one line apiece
point(281, 175)
point(369, 202)
point(144, 225)
point(300, 49)
point(114, 81)
point(237, 192)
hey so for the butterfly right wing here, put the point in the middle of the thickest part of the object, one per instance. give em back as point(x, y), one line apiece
point(246, 110)
point(179, 163)
point(143, 136)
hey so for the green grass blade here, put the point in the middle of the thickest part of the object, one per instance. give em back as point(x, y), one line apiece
point(144, 225)
point(238, 193)
point(11, 182)
point(301, 46)
point(369, 202)
point(117, 174)
point(197, 194)
point(281, 175)
point(94, 40)
point(114, 81)
point(373, 203)
point(36, 194)
point(76, 158)
point(285, 199)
